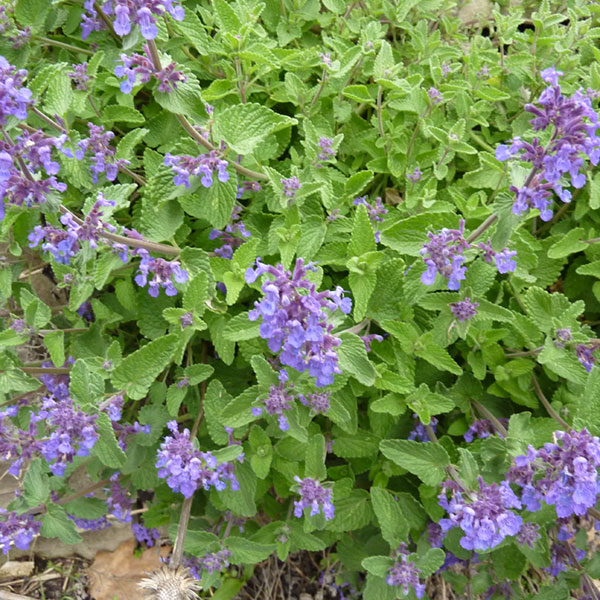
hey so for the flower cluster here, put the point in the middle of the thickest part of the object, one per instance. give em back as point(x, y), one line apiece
point(404, 574)
point(317, 401)
point(203, 166)
point(80, 76)
point(17, 445)
point(315, 496)
point(419, 433)
point(563, 474)
point(295, 323)
point(73, 432)
point(585, 354)
point(164, 272)
point(18, 530)
point(139, 65)
point(14, 97)
point(213, 562)
point(573, 122)
point(326, 149)
point(278, 401)
point(375, 212)
point(369, 339)
point(118, 501)
point(232, 236)
point(186, 469)
point(145, 535)
point(128, 13)
point(484, 516)
point(90, 524)
point(64, 244)
point(415, 175)
point(247, 186)
point(464, 310)
point(481, 429)
point(290, 186)
point(444, 254)
point(102, 153)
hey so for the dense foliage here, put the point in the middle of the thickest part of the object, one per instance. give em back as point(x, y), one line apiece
point(301, 275)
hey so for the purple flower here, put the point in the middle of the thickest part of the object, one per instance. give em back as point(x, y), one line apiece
point(17, 530)
point(139, 65)
point(443, 254)
point(585, 355)
point(186, 320)
point(233, 236)
point(415, 175)
point(482, 428)
point(369, 339)
point(294, 320)
point(90, 524)
point(504, 261)
point(145, 535)
point(290, 186)
point(102, 153)
point(419, 433)
point(484, 516)
point(128, 13)
point(464, 309)
point(529, 534)
point(574, 123)
point(317, 401)
point(63, 245)
point(247, 186)
point(434, 95)
point(14, 98)
point(314, 496)
point(278, 401)
point(80, 76)
point(214, 562)
point(202, 166)
point(446, 70)
point(405, 574)
point(375, 212)
point(563, 474)
point(186, 469)
point(163, 271)
point(327, 152)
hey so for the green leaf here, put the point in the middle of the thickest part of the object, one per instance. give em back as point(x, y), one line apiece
point(127, 144)
point(588, 406)
point(427, 404)
point(362, 286)
point(55, 523)
point(431, 561)
point(37, 484)
point(377, 565)
point(314, 458)
point(245, 551)
point(238, 412)
point(86, 386)
point(138, 370)
point(185, 99)
point(363, 238)
point(353, 359)
point(122, 114)
point(57, 98)
point(491, 94)
point(241, 502)
point(55, 342)
point(568, 243)
point(351, 512)
point(106, 448)
point(159, 222)
point(228, 21)
point(435, 355)
point(358, 93)
point(355, 184)
point(262, 455)
point(31, 13)
point(384, 62)
point(426, 460)
point(215, 204)
point(244, 126)
point(394, 526)
point(195, 296)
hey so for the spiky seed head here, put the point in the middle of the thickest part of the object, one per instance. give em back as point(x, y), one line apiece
point(169, 584)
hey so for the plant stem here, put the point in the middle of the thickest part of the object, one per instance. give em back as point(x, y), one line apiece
point(379, 115)
point(106, 20)
point(483, 227)
point(62, 45)
point(356, 328)
point(45, 370)
point(525, 352)
point(318, 92)
point(67, 330)
point(547, 406)
point(490, 417)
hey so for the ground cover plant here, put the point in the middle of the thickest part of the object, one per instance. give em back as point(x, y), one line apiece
point(305, 276)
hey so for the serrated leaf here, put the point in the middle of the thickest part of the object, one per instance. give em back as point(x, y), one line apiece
point(426, 460)
point(351, 513)
point(353, 359)
point(128, 142)
point(435, 355)
point(55, 342)
point(568, 243)
point(226, 17)
point(122, 114)
point(139, 369)
point(356, 183)
point(314, 457)
point(86, 386)
point(55, 523)
point(244, 126)
point(394, 527)
point(358, 93)
point(377, 565)
point(36, 484)
point(246, 551)
point(107, 448)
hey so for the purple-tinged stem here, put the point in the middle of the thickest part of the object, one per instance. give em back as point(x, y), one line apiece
point(490, 417)
point(547, 406)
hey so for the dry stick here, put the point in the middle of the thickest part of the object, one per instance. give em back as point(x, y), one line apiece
point(547, 406)
point(10, 596)
point(45, 370)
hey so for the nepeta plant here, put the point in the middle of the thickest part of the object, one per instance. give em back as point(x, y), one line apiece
point(309, 290)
